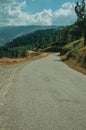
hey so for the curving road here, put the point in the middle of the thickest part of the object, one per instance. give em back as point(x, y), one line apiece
point(45, 95)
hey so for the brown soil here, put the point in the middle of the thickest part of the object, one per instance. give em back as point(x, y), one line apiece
point(72, 63)
point(6, 61)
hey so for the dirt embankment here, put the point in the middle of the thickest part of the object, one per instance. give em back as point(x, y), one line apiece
point(72, 63)
point(75, 55)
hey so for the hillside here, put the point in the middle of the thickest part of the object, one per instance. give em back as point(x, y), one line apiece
point(41, 40)
point(48, 40)
point(8, 33)
point(74, 54)
point(66, 40)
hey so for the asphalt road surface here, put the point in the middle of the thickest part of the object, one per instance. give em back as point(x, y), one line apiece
point(44, 95)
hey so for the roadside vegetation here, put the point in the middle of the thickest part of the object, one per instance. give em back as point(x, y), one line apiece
point(74, 53)
point(70, 41)
point(49, 40)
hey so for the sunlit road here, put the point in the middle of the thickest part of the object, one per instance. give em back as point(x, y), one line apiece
point(45, 95)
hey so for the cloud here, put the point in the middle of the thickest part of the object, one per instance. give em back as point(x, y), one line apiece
point(65, 15)
point(13, 14)
point(6, 1)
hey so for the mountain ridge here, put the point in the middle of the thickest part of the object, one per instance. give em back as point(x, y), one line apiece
point(8, 33)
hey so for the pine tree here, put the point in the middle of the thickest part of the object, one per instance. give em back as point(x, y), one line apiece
point(80, 10)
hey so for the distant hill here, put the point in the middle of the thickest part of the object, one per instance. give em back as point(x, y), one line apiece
point(67, 40)
point(43, 40)
point(8, 33)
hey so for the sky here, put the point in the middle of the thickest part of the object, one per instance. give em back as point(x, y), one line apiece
point(37, 12)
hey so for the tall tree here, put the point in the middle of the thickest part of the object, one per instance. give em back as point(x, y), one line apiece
point(80, 10)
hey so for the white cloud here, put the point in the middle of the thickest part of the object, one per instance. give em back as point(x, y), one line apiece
point(6, 1)
point(13, 14)
point(65, 15)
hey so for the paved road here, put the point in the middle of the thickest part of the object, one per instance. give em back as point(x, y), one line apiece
point(45, 95)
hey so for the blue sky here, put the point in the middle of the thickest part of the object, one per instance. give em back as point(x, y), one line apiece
point(38, 5)
point(37, 12)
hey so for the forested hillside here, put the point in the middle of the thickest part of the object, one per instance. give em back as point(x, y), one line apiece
point(8, 33)
point(41, 39)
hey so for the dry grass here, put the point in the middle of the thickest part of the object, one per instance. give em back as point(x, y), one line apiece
point(6, 61)
point(75, 55)
point(81, 56)
point(10, 61)
point(72, 63)
point(73, 45)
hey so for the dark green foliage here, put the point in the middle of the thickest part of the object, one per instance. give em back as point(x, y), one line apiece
point(8, 33)
point(36, 39)
point(68, 34)
point(80, 10)
point(13, 52)
point(53, 39)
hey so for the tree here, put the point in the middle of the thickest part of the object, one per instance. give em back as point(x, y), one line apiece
point(80, 10)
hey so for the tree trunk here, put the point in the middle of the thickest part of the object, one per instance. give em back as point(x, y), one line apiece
point(85, 38)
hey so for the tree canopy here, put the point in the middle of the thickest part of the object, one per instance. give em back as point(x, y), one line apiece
point(80, 10)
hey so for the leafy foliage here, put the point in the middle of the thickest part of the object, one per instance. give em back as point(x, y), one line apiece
point(8, 33)
point(41, 39)
point(80, 10)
